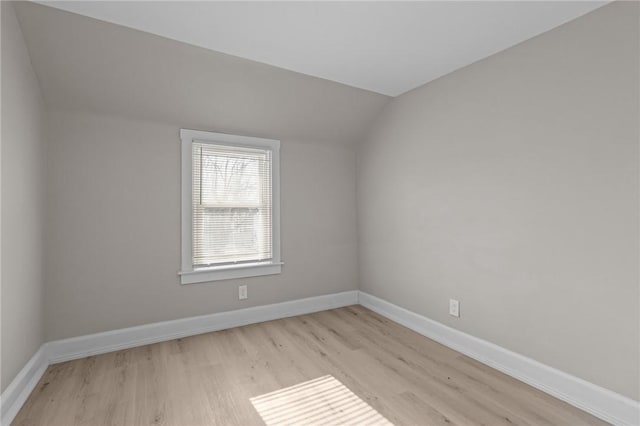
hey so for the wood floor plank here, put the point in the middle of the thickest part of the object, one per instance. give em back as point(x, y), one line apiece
point(210, 379)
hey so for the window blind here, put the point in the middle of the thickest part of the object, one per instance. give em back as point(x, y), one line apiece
point(232, 204)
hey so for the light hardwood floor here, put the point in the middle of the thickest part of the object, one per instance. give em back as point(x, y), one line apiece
point(210, 379)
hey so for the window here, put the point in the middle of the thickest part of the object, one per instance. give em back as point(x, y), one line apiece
point(230, 206)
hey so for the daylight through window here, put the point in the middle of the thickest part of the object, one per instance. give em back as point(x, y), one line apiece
point(230, 206)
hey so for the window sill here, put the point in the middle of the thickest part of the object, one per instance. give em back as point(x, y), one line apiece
point(228, 272)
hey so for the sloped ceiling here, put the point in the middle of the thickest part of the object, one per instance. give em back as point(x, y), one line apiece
point(385, 47)
point(92, 66)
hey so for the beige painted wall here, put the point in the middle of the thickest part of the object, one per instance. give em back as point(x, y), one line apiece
point(512, 185)
point(22, 202)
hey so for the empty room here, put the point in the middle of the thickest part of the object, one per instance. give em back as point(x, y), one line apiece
point(320, 213)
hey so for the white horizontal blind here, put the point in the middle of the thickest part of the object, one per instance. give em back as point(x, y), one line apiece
point(232, 204)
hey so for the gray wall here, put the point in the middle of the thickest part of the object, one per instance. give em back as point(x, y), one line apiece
point(116, 100)
point(512, 185)
point(23, 201)
point(114, 227)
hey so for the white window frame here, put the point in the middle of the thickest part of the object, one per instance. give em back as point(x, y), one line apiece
point(189, 274)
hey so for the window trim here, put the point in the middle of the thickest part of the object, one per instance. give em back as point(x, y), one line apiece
point(190, 275)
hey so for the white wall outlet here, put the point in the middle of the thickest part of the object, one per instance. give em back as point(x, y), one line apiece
point(242, 292)
point(454, 307)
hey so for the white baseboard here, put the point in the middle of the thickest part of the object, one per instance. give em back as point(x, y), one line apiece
point(603, 403)
point(596, 400)
point(93, 344)
point(20, 388)
point(109, 341)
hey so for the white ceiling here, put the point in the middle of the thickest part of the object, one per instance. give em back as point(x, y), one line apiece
point(385, 47)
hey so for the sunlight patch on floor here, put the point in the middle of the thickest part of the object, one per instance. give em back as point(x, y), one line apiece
point(322, 401)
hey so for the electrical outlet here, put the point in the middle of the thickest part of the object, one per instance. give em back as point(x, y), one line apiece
point(242, 292)
point(454, 307)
